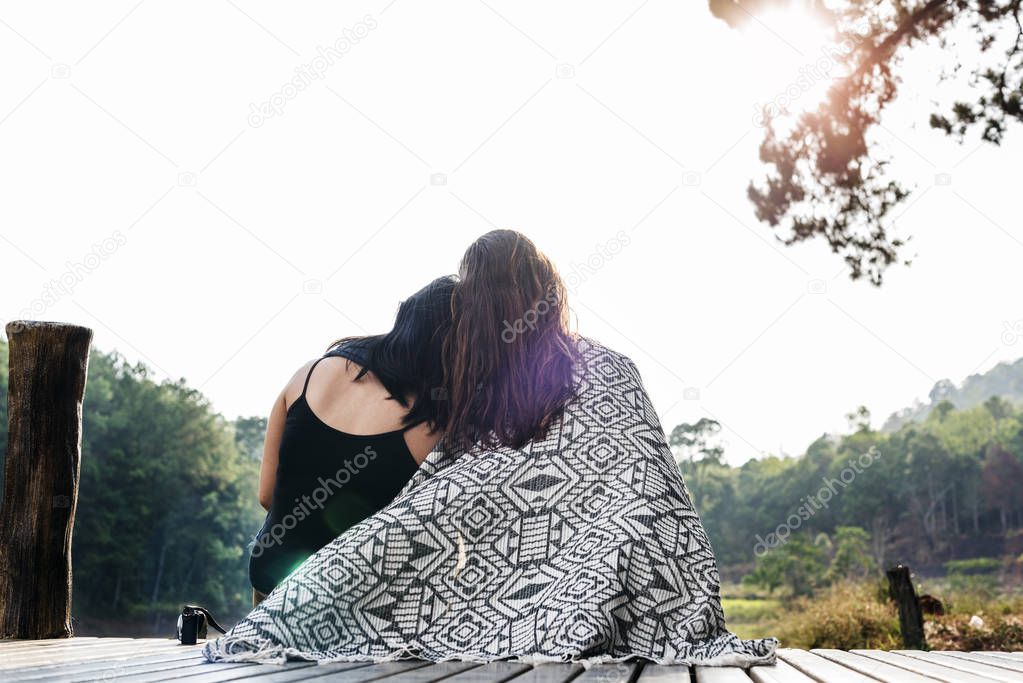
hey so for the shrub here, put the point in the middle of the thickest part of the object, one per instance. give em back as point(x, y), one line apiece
point(845, 616)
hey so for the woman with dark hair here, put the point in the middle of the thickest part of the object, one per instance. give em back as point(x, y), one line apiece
point(348, 432)
point(553, 526)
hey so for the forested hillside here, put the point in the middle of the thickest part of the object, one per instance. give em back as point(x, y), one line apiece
point(1005, 380)
point(946, 488)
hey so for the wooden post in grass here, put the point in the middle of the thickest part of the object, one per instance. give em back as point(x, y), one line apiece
point(911, 619)
point(46, 383)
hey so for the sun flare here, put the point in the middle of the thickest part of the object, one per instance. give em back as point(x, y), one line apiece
point(795, 59)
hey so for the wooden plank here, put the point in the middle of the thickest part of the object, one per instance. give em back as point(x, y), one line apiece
point(662, 673)
point(820, 669)
point(986, 658)
point(113, 645)
point(1017, 656)
point(432, 672)
point(113, 670)
point(45, 657)
point(257, 673)
point(11, 646)
point(42, 641)
point(491, 673)
point(32, 654)
point(94, 669)
point(5, 644)
point(339, 674)
point(49, 656)
point(936, 671)
point(781, 672)
point(288, 673)
point(494, 672)
point(342, 672)
point(718, 674)
point(113, 652)
point(871, 667)
point(186, 669)
point(980, 669)
point(618, 672)
point(552, 672)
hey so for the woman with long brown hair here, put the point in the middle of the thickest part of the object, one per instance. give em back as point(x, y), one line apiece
point(510, 353)
point(553, 525)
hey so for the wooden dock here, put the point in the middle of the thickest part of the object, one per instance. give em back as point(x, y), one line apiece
point(128, 660)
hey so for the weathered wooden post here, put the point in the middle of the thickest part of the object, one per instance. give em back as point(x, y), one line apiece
point(911, 619)
point(46, 383)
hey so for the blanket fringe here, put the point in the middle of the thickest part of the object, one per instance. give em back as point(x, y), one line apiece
point(261, 651)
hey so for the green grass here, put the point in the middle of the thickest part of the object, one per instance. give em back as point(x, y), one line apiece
point(751, 617)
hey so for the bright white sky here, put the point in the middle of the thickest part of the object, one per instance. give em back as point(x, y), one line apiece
point(246, 250)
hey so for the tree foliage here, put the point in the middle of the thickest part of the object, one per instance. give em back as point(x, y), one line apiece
point(923, 494)
point(800, 565)
point(826, 178)
point(852, 559)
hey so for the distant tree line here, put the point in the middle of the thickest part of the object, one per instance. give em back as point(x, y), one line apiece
point(948, 487)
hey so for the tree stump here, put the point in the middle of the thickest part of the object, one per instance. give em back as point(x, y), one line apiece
point(911, 619)
point(48, 365)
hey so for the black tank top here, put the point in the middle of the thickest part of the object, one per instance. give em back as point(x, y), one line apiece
point(327, 482)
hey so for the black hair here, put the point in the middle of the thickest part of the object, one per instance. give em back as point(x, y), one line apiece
point(408, 360)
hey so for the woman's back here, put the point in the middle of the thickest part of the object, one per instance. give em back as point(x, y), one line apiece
point(358, 407)
point(348, 431)
point(343, 455)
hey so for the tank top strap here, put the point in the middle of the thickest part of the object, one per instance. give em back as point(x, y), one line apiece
point(309, 375)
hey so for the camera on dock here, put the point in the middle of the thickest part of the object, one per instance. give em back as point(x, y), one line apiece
point(193, 624)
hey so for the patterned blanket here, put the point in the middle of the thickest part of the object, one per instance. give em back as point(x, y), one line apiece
point(583, 546)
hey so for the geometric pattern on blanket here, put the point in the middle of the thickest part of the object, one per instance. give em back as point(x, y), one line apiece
point(582, 546)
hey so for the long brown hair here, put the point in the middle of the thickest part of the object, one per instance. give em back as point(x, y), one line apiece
point(509, 356)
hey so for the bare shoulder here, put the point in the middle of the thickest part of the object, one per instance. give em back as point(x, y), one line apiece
point(293, 389)
point(330, 369)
